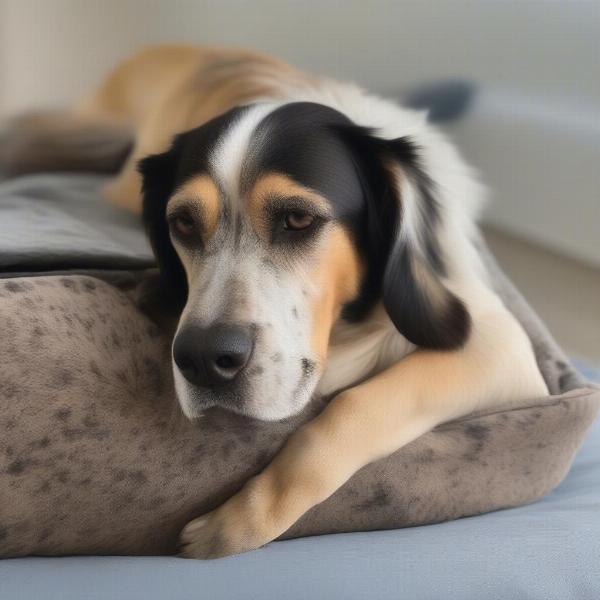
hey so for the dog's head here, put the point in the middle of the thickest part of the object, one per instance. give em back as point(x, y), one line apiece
point(269, 224)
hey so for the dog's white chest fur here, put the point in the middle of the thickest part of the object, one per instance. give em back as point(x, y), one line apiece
point(357, 351)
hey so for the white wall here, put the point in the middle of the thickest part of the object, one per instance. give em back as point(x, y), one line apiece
point(54, 49)
point(541, 163)
point(546, 51)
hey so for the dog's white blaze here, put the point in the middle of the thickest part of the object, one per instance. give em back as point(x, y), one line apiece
point(228, 157)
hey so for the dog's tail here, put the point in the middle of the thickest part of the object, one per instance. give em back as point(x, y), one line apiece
point(55, 141)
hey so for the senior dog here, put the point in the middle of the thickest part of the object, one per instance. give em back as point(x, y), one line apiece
point(314, 238)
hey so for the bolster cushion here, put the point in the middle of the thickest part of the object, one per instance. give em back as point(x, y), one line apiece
point(95, 457)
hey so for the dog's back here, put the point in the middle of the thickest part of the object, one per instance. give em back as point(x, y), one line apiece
point(146, 100)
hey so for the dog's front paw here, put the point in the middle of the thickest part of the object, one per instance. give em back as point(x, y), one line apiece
point(223, 532)
point(204, 538)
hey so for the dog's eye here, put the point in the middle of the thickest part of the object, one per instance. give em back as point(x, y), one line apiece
point(297, 220)
point(182, 224)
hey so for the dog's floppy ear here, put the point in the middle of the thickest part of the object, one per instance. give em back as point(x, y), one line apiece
point(415, 290)
point(158, 182)
point(404, 223)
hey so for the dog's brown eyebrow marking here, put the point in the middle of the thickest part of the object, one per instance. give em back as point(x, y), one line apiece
point(276, 187)
point(200, 193)
point(294, 202)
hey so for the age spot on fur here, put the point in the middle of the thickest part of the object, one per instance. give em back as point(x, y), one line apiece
point(308, 367)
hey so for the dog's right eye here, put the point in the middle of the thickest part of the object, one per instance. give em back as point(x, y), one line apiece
point(182, 224)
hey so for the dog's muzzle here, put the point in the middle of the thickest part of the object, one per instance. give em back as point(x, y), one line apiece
point(214, 356)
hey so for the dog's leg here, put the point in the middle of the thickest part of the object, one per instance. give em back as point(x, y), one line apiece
point(154, 135)
point(366, 423)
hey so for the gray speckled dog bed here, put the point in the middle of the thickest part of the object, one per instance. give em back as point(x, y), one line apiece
point(95, 458)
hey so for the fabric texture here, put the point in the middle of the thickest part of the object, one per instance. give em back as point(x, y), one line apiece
point(547, 550)
point(57, 221)
point(93, 438)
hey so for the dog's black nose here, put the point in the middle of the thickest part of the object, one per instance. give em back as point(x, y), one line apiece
point(212, 356)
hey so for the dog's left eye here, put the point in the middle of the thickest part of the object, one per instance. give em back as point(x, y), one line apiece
point(297, 220)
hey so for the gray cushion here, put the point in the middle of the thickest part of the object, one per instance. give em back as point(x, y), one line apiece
point(548, 550)
point(56, 221)
point(95, 456)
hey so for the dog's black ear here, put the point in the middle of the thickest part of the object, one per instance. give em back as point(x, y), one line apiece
point(415, 285)
point(158, 183)
point(407, 261)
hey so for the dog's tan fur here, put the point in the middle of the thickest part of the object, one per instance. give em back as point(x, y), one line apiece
point(338, 277)
point(280, 186)
point(370, 420)
point(201, 196)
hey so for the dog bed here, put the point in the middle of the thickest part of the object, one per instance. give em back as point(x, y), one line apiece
point(95, 458)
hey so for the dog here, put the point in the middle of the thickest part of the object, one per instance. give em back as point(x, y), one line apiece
point(314, 238)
